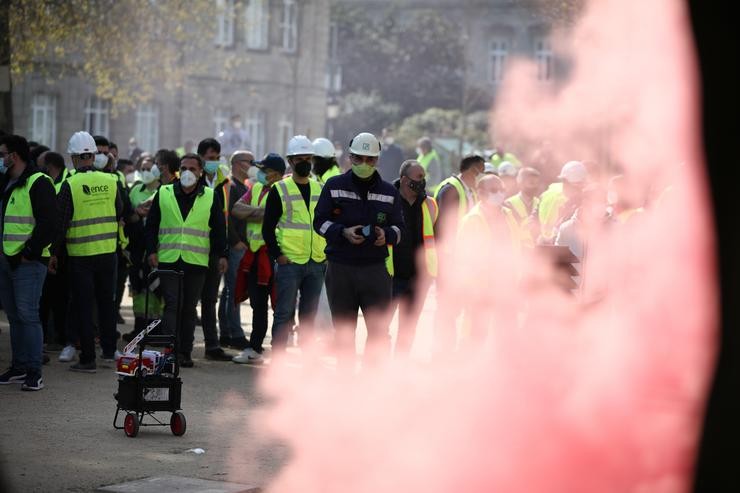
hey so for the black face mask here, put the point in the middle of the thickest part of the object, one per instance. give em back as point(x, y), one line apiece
point(417, 186)
point(321, 165)
point(302, 168)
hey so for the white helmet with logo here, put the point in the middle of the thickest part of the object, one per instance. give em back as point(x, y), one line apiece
point(365, 144)
point(81, 143)
point(299, 145)
point(324, 148)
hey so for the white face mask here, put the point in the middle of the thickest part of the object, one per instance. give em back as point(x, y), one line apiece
point(155, 172)
point(147, 177)
point(252, 173)
point(101, 161)
point(188, 178)
point(130, 178)
point(495, 199)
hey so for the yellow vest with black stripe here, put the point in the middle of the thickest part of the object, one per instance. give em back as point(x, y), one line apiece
point(187, 238)
point(93, 229)
point(295, 235)
point(463, 197)
point(254, 229)
point(330, 173)
point(19, 223)
point(429, 215)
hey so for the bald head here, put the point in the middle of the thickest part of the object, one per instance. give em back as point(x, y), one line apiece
point(488, 183)
point(241, 161)
point(528, 181)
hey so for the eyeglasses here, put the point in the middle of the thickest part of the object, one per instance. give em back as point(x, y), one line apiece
point(86, 155)
point(355, 158)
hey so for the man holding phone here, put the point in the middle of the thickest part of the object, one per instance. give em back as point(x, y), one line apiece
point(359, 214)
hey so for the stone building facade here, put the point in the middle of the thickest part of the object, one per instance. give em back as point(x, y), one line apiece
point(278, 90)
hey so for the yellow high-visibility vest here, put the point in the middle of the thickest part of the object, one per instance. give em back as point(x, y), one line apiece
point(254, 229)
point(429, 215)
point(187, 238)
point(295, 234)
point(93, 229)
point(19, 223)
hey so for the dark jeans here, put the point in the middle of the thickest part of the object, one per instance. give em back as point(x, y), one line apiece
point(192, 287)
point(54, 302)
point(229, 318)
point(91, 282)
point(208, 299)
point(408, 296)
point(20, 291)
point(291, 279)
point(259, 297)
point(354, 287)
point(121, 275)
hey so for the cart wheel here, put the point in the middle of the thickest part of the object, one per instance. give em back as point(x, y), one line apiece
point(131, 425)
point(178, 425)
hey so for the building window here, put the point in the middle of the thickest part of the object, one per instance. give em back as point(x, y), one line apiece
point(147, 127)
point(543, 55)
point(225, 20)
point(285, 133)
point(257, 24)
point(220, 121)
point(255, 127)
point(44, 119)
point(289, 26)
point(97, 116)
point(498, 50)
point(334, 69)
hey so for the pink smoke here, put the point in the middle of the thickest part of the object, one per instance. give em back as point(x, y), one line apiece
point(601, 398)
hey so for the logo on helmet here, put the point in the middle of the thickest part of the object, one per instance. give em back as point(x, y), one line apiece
point(365, 147)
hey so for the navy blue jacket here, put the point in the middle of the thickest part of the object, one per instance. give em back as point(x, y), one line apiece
point(347, 201)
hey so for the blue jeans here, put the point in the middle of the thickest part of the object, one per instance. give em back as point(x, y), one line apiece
point(291, 279)
point(229, 316)
point(20, 292)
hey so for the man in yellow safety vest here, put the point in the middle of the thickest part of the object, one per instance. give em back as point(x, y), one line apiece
point(429, 160)
point(524, 205)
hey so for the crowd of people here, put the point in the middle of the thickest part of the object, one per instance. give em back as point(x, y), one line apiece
point(293, 233)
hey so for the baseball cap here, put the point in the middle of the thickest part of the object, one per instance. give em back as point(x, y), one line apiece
point(272, 161)
point(573, 172)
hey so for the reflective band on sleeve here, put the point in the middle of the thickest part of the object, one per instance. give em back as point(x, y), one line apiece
point(287, 225)
point(19, 220)
point(325, 227)
point(380, 197)
point(398, 234)
point(92, 220)
point(335, 194)
point(91, 238)
point(189, 248)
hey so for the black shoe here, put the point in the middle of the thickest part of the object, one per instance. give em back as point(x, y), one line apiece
point(224, 341)
point(186, 361)
point(119, 319)
point(84, 367)
point(12, 376)
point(241, 344)
point(218, 354)
point(33, 382)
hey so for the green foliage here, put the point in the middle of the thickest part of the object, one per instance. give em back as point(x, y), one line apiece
point(363, 112)
point(441, 123)
point(128, 50)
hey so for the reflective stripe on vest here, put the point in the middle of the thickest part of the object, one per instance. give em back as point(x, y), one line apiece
point(295, 235)
point(463, 197)
point(93, 229)
point(19, 223)
point(254, 229)
point(187, 238)
point(429, 215)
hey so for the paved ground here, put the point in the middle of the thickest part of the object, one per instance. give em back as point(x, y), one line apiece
point(62, 438)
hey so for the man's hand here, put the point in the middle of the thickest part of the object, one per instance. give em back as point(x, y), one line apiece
point(143, 209)
point(223, 265)
point(282, 260)
point(352, 235)
point(153, 260)
point(241, 246)
point(53, 264)
point(380, 236)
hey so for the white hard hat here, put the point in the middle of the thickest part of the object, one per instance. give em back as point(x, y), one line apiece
point(365, 144)
point(574, 172)
point(324, 148)
point(299, 145)
point(489, 168)
point(81, 143)
point(506, 169)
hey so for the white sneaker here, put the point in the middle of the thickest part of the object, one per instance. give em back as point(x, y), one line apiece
point(69, 353)
point(249, 355)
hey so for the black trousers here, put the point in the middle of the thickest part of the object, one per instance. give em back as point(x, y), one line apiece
point(408, 296)
point(92, 284)
point(54, 302)
point(359, 287)
point(192, 286)
point(208, 300)
point(259, 297)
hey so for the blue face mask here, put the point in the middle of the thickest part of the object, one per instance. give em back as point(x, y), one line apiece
point(262, 177)
point(3, 168)
point(211, 166)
